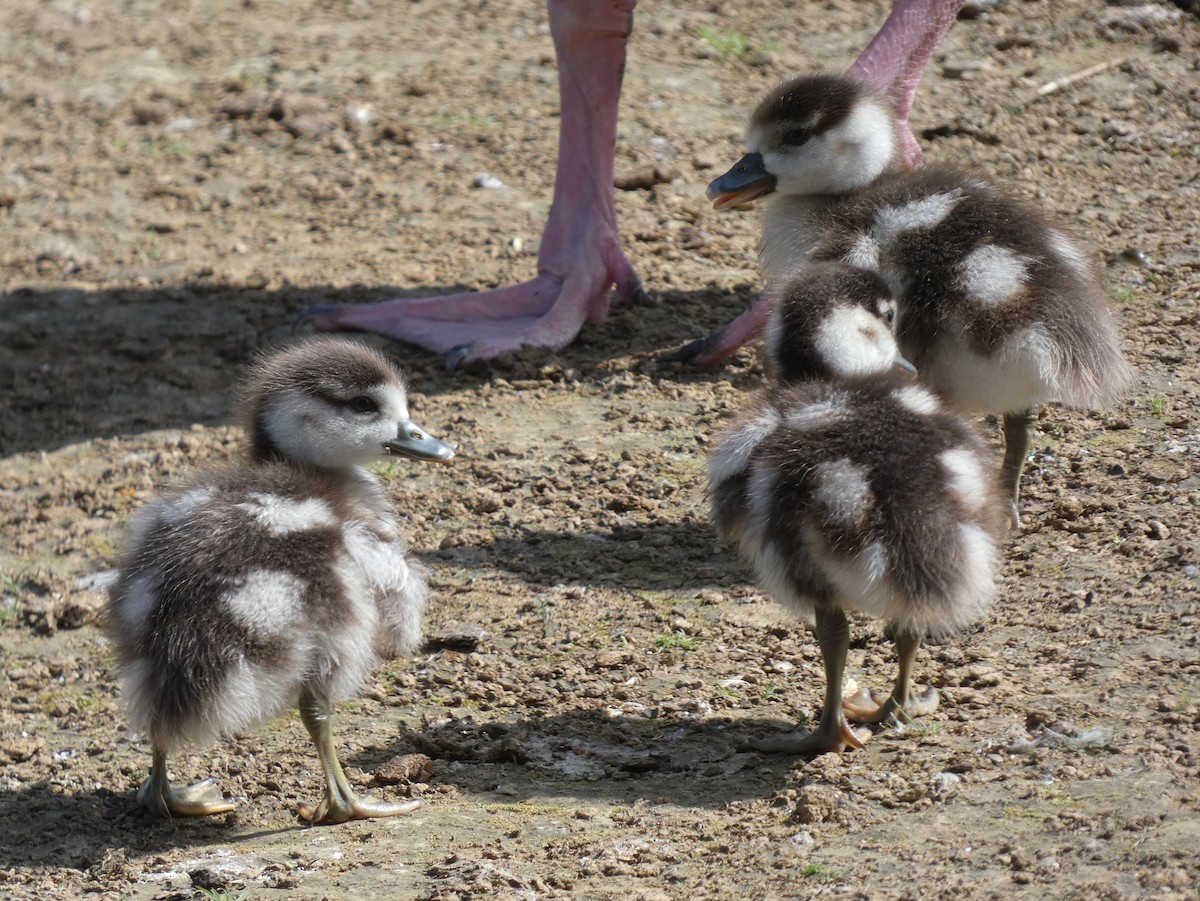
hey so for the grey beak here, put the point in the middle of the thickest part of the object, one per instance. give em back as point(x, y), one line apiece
point(748, 176)
point(903, 365)
point(413, 441)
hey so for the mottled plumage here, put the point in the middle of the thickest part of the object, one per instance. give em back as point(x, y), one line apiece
point(277, 582)
point(999, 310)
point(856, 489)
point(867, 495)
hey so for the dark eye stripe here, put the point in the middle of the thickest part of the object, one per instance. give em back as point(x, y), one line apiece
point(794, 137)
point(363, 404)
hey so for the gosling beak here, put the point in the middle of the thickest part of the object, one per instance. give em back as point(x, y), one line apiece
point(413, 441)
point(746, 181)
point(902, 365)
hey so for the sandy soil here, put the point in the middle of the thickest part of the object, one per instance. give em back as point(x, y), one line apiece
point(178, 179)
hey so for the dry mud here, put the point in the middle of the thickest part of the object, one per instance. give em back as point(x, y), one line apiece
point(178, 179)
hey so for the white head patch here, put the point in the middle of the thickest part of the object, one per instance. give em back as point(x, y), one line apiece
point(312, 430)
point(843, 158)
point(852, 341)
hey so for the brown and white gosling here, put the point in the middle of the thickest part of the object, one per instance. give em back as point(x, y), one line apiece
point(1000, 310)
point(277, 582)
point(849, 487)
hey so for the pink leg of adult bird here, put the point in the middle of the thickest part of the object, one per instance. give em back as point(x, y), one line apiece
point(894, 62)
point(580, 258)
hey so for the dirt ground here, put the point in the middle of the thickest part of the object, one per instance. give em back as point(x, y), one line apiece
point(178, 178)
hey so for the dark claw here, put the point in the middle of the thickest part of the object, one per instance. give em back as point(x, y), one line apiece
point(691, 351)
point(307, 317)
point(641, 297)
point(455, 355)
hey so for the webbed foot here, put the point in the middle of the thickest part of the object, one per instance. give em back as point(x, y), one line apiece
point(872, 706)
point(202, 799)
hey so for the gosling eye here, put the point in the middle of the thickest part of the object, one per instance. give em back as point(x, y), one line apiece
point(794, 137)
point(362, 404)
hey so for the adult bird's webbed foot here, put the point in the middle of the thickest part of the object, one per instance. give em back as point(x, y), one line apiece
point(548, 311)
point(724, 342)
point(580, 258)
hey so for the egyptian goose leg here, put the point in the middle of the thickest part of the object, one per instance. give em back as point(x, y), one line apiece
point(340, 803)
point(580, 257)
point(1016, 446)
point(162, 799)
point(904, 702)
point(833, 733)
point(894, 62)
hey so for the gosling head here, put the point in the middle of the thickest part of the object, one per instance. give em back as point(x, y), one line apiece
point(333, 404)
point(833, 321)
point(812, 135)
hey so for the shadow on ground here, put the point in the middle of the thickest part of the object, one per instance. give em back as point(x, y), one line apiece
point(587, 756)
point(84, 364)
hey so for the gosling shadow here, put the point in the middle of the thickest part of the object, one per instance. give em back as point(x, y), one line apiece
point(658, 555)
point(606, 754)
point(50, 828)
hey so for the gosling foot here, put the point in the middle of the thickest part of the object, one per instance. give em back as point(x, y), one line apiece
point(340, 810)
point(868, 706)
point(202, 799)
point(836, 737)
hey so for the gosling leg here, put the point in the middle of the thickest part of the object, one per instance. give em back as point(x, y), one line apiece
point(340, 803)
point(160, 798)
point(905, 701)
point(833, 733)
point(1016, 447)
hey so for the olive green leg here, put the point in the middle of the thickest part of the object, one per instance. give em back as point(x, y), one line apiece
point(905, 702)
point(833, 732)
point(157, 795)
point(1016, 447)
point(340, 802)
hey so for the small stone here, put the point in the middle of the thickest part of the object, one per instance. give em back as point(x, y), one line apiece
point(818, 804)
point(945, 783)
point(1156, 530)
point(462, 637)
point(310, 126)
point(179, 124)
point(962, 70)
point(644, 177)
point(404, 769)
point(151, 112)
point(1068, 506)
